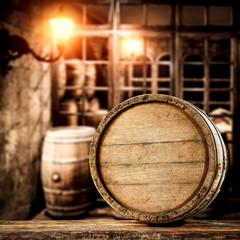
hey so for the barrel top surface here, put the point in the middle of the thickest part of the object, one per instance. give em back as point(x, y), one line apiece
point(153, 158)
point(70, 132)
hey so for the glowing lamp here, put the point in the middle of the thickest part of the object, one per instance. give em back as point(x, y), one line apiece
point(132, 46)
point(13, 47)
point(62, 27)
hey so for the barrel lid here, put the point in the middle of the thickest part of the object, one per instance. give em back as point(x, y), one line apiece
point(157, 159)
point(70, 134)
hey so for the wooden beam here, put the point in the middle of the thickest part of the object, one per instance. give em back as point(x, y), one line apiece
point(118, 229)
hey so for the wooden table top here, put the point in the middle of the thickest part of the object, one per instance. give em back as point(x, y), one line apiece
point(100, 223)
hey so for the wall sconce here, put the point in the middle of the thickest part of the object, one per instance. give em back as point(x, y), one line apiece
point(13, 47)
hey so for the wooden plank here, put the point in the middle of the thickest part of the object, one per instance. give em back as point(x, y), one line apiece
point(118, 229)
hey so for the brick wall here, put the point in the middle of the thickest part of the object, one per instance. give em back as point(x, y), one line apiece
point(25, 101)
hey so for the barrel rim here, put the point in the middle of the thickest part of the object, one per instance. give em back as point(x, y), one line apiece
point(70, 134)
point(208, 187)
point(222, 167)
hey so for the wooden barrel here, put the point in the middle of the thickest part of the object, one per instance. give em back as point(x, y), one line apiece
point(62, 77)
point(75, 78)
point(68, 112)
point(90, 80)
point(157, 159)
point(94, 118)
point(94, 105)
point(83, 105)
point(65, 175)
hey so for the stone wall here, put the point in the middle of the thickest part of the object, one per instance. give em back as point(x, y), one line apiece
point(25, 102)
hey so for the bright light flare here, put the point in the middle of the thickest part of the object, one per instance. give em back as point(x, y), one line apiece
point(132, 46)
point(61, 27)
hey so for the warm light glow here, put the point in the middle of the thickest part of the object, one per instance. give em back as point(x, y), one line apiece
point(132, 46)
point(61, 27)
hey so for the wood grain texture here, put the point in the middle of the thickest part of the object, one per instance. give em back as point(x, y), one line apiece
point(118, 229)
point(157, 158)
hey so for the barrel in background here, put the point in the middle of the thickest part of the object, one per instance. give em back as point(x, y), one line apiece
point(75, 78)
point(67, 184)
point(68, 112)
point(95, 117)
point(157, 159)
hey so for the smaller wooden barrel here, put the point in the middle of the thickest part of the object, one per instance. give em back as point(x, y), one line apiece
point(94, 118)
point(94, 105)
point(66, 180)
point(157, 158)
point(90, 80)
point(68, 109)
point(75, 78)
point(83, 104)
point(62, 78)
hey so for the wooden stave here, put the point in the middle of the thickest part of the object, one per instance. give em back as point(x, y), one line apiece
point(78, 172)
point(67, 199)
point(75, 211)
point(96, 175)
point(223, 167)
point(69, 106)
point(70, 203)
point(207, 200)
